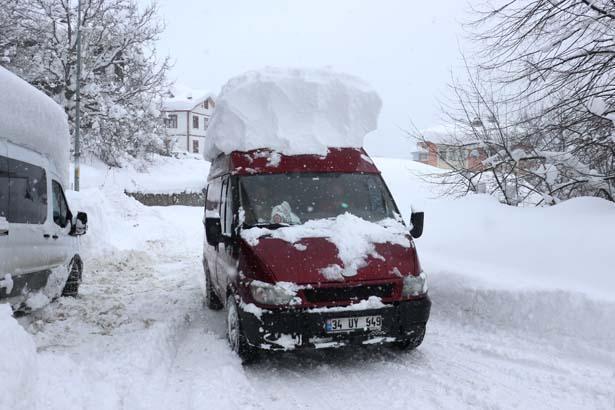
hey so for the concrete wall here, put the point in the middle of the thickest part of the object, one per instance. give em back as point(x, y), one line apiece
point(181, 198)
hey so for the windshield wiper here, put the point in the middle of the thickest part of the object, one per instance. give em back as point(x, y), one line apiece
point(266, 225)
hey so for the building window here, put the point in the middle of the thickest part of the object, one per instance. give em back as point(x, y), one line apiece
point(443, 154)
point(171, 121)
point(195, 121)
point(206, 104)
point(195, 146)
point(423, 156)
point(205, 122)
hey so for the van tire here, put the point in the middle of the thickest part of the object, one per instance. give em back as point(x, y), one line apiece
point(412, 342)
point(71, 287)
point(234, 333)
point(211, 299)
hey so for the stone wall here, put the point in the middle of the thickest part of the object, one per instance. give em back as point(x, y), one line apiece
point(182, 198)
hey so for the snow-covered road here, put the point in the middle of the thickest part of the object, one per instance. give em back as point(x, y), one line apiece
point(139, 337)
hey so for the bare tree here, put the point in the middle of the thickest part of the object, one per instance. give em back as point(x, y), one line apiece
point(542, 106)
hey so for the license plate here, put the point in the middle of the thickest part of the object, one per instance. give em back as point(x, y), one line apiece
point(349, 324)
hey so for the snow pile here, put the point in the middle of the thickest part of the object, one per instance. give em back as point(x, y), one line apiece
point(183, 98)
point(31, 119)
point(18, 363)
point(155, 174)
point(293, 112)
point(355, 239)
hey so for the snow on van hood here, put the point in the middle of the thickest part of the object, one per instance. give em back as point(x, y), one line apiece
point(337, 247)
point(292, 112)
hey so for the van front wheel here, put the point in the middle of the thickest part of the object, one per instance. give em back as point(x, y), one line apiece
point(71, 288)
point(234, 333)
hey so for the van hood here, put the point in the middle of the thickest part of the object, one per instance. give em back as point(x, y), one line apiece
point(317, 260)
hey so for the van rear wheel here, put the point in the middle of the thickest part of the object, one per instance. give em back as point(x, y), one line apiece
point(71, 287)
point(211, 299)
point(413, 341)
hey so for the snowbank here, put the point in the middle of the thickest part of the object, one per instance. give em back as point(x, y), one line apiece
point(156, 174)
point(18, 363)
point(565, 247)
point(292, 112)
point(31, 119)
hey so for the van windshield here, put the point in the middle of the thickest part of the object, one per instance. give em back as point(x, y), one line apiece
point(292, 199)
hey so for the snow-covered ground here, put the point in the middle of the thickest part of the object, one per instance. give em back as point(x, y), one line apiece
point(522, 317)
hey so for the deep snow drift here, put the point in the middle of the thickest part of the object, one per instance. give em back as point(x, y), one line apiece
point(292, 112)
point(31, 119)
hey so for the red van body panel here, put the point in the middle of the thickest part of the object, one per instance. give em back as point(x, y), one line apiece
point(344, 160)
point(234, 264)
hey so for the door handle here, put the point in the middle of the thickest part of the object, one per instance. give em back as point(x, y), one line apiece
point(4, 232)
point(46, 236)
point(55, 236)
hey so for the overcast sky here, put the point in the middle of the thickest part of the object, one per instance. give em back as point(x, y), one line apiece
point(405, 49)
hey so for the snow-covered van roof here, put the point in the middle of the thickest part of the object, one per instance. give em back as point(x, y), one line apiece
point(185, 99)
point(293, 112)
point(264, 161)
point(30, 119)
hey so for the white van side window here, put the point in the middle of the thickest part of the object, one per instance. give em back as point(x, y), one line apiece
point(60, 207)
point(27, 193)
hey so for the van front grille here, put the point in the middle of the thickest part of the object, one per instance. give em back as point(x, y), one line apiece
point(354, 293)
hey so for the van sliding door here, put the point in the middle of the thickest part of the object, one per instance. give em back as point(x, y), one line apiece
point(27, 216)
point(4, 223)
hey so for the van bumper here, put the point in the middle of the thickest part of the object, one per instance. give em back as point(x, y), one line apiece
point(294, 329)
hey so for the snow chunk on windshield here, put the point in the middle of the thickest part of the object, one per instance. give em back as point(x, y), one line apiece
point(292, 112)
point(355, 239)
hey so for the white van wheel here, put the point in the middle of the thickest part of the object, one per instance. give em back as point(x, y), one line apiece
point(71, 288)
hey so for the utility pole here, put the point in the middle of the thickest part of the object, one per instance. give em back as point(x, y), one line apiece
point(78, 99)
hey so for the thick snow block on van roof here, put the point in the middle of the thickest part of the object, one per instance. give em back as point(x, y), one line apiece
point(292, 112)
point(30, 119)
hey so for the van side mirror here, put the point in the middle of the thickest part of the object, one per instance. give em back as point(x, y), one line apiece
point(417, 219)
point(213, 231)
point(80, 225)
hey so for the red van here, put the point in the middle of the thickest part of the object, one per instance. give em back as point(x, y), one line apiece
point(310, 251)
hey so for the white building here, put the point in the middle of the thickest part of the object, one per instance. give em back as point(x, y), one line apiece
point(186, 116)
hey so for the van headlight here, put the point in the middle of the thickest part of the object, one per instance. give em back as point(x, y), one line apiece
point(268, 294)
point(415, 285)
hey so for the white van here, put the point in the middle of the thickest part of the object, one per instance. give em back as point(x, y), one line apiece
point(39, 258)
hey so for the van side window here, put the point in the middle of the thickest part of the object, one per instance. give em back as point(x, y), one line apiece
point(4, 187)
point(27, 193)
point(212, 204)
point(60, 207)
point(227, 207)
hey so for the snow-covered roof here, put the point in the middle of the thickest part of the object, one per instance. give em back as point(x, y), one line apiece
point(293, 112)
point(440, 134)
point(185, 99)
point(32, 120)
point(449, 135)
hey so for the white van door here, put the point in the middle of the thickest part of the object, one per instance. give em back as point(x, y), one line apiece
point(60, 225)
point(4, 223)
point(28, 213)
